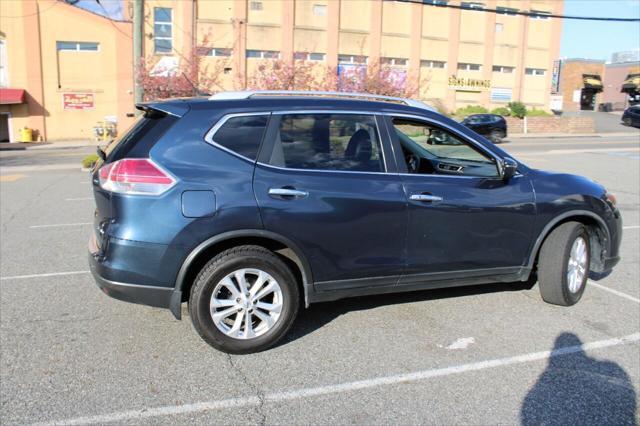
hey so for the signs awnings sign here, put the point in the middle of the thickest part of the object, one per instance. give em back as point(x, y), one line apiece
point(71, 101)
point(469, 84)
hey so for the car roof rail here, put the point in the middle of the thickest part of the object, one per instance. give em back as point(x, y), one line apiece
point(248, 94)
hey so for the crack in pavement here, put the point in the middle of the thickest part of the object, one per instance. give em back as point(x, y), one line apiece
point(256, 390)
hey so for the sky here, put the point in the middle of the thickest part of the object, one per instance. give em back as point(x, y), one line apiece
point(580, 39)
point(598, 40)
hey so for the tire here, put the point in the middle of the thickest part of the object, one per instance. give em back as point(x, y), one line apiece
point(248, 261)
point(627, 122)
point(553, 265)
point(496, 136)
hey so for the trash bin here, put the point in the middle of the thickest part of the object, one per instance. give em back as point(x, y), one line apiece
point(26, 135)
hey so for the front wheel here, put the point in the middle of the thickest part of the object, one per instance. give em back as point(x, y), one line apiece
point(244, 300)
point(563, 265)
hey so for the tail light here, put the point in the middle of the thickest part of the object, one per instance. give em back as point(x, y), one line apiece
point(135, 176)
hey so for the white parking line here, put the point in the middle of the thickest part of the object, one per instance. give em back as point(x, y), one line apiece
point(79, 199)
point(52, 274)
point(631, 227)
point(170, 410)
point(58, 225)
point(616, 292)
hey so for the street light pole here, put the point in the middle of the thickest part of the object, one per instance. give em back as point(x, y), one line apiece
point(138, 23)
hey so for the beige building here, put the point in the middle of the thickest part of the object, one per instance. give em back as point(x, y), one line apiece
point(466, 56)
point(68, 68)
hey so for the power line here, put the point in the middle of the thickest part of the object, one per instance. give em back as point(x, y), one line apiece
point(111, 21)
point(508, 11)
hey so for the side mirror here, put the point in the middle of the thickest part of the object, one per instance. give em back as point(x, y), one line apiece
point(509, 168)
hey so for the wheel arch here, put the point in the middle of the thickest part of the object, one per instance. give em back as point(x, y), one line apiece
point(287, 250)
point(599, 236)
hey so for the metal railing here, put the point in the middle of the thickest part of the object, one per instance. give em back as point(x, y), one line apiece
point(256, 93)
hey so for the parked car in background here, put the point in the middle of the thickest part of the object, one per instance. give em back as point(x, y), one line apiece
point(631, 116)
point(491, 126)
point(252, 205)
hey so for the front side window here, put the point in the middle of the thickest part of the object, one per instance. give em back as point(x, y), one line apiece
point(429, 149)
point(346, 142)
point(162, 30)
point(242, 134)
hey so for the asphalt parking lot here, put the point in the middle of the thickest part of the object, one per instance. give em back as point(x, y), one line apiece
point(493, 354)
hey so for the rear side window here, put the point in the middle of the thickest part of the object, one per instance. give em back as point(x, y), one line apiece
point(136, 141)
point(328, 142)
point(241, 134)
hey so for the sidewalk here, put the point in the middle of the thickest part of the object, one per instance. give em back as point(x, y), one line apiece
point(630, 133)
point(21, 146)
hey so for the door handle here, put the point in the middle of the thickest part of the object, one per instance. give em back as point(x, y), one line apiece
point(288, 193)
point(426, 198)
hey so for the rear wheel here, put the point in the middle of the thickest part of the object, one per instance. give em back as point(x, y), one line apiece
point(563, 266)
point(496, 136)
point(244, 300)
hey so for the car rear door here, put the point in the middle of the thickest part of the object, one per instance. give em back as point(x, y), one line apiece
point(321, 182)
point(463, 219)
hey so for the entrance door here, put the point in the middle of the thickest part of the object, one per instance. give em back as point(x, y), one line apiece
point(4, 128)
point(587, 99)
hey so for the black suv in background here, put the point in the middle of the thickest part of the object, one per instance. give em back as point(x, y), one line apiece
point(250, 205)
point(491, 126)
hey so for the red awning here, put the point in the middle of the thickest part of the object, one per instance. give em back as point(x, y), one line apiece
point(11, 96)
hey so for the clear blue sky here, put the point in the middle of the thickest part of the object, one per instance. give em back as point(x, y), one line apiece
point(595, 39)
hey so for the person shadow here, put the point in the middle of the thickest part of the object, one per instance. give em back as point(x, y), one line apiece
point(578, 389)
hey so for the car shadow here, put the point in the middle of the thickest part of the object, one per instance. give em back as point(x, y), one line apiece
point(578, 389)
point(319, 314)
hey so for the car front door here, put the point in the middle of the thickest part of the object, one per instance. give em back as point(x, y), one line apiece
point(464, 220)
point(321, 181)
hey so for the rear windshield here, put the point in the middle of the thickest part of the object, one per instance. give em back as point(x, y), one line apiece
point(138, 139)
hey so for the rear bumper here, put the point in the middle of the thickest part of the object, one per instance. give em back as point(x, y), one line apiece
point(157, 296)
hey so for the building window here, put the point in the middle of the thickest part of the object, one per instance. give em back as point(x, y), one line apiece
point(162, 30)
point(394, 61)
point(304, 56)
point(263, 54)
point(535, 71)
point(4, 80)
point(77, 46)
point(256, 5)
point(215, 51)
point(507, 11)
point(472, 5)
point(436, 2)
point(501, 95)
point(539, 14)
point(503, 69)
point(432, 64)
point(352, 59)
point(320, 9)
point(469, 67)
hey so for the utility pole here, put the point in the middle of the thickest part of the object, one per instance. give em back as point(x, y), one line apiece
point(138, 24)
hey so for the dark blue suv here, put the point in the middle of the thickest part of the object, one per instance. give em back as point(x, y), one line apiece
point(248, 205)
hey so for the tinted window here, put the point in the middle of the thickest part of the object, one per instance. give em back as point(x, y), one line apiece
point(328, 142)
point(242, 134)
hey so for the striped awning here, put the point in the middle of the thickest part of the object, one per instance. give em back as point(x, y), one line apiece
point(631, 84)
point(592, 81)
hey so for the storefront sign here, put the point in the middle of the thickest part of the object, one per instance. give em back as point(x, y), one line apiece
point(77, 101)
point(555, 76)
point(469, 83)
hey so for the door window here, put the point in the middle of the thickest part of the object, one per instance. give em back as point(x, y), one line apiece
point(347, 142)
point(429, 149)
point(242, 134)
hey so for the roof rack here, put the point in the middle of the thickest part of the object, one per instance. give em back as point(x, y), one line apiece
point(253, 93)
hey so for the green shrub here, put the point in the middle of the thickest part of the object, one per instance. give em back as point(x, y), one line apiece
point(471, 109)
point(505, 112)
point(538, 113)
point(89, 161)
point(518, 109)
